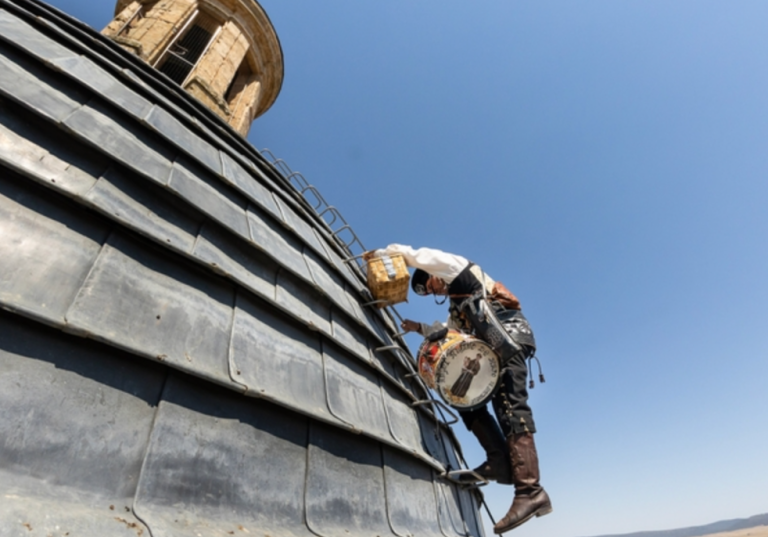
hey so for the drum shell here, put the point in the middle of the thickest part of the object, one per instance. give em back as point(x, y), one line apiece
point(431, 353)
point(462, 369)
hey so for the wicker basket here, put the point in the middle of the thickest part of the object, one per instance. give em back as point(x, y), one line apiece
point(388, 279)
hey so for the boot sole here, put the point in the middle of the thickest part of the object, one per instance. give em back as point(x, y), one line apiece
point(544, 510)
point(469, 480)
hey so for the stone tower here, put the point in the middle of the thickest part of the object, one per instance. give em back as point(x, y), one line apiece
point(224, 52)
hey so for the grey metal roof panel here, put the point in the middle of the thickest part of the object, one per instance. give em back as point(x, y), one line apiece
point(113, 138)
point(302, 229)
point(114, 401)
point(236, 174)
point(104, 400)
point(368, 317)
point(470, 505)
point(357, 309)
point(148, 221)
point(273, 239)
point(22, 35)
point(219, 463)
point(354, 393)
point(20, 154)
point(404, 424)
point(237, 260)
point(351, 330)
point(354, 463)
point(349, 336)
point(449, 510)
point(416, 512)
point(47, 251)
point(111, 89)
point(131, 209)
point(328, 283)
point(389, 367)
point(25, 82)
point(225, 209)
point(25, 511)
point(100, 321)
point(389, 321)
point(450, 456)
point(342, 267)
point(66, 155)
point(393, 356)
point(435, 441)
point(373, 321)
point(144, 209)
point(128, 209)
point(84, 40)
point(300, 300)
point(173, 130)
point(99, 81)
point(136, 299)
point(278, 359)
point(198, 195)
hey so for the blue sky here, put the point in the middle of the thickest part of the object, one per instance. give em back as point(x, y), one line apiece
point(607, 161)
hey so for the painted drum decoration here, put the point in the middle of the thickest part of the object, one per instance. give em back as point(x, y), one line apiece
point(462, 369)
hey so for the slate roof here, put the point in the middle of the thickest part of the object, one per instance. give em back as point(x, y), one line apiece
point(183, 348)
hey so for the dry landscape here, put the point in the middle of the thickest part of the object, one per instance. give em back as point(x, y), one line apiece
point(757, 531)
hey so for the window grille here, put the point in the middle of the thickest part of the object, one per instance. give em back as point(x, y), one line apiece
point(182, 56)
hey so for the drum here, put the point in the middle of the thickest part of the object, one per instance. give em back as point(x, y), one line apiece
point(462, 369)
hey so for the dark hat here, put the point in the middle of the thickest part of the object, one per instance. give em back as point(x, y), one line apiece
point(419, 282)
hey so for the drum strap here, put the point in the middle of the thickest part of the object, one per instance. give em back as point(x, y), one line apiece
point(506, 299)
point(487, 326)
point(500, 294)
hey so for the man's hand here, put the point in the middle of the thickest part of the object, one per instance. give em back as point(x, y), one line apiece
point(370, 254)
point(410, 326)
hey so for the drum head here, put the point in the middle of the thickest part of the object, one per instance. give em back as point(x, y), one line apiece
point(467, 374)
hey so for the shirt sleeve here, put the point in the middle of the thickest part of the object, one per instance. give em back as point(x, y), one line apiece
point(427, 329)
point(436, 262)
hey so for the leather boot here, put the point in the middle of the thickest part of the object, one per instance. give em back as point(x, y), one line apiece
point(497, 465)
point(530, 497)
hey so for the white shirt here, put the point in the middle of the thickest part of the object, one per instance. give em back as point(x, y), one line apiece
point(436, 262)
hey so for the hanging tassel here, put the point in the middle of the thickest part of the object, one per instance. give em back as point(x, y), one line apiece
point(531, 384)
point(541, 374)
point(530, 371)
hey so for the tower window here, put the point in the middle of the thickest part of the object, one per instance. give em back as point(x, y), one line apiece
point(182, 55)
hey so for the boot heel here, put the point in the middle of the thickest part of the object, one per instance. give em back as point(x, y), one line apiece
point(544, 511)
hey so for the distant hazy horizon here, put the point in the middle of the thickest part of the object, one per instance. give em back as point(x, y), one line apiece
point(738, 527)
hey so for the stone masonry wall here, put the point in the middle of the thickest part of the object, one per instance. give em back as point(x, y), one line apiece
point(244, 109)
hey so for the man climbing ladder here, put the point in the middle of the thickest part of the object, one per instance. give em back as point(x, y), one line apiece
point(479, 306)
